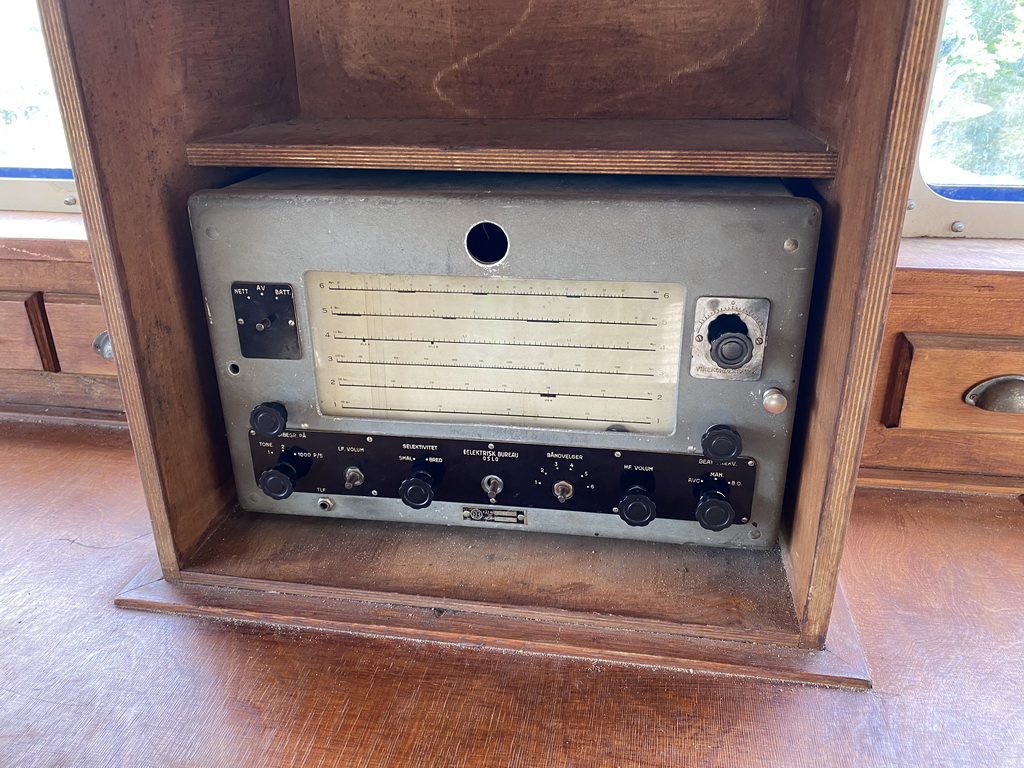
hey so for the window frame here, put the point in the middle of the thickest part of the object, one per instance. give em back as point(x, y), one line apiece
point(930, 214)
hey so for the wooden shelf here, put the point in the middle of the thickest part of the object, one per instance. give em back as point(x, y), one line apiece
point(532, 577)
point(694, 147)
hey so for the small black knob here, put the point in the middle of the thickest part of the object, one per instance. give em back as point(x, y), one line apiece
point(279, 481)
point(417, 490)
point(714, 511)
point(732, 350)
point(269, 419)
point(637, 508)
point(721, 443)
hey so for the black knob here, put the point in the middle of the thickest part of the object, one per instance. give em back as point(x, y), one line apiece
point(721, 443)
point(268, 419)
point(732, 350)
point(279, 481)
point(417, 490)
point(714, 511)
point(637, 508)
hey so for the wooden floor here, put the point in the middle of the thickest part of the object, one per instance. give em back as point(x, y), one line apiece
point(935, 582)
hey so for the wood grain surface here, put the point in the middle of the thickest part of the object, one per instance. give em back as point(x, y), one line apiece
point(725, 593)
point(943, 482)
point(944, 366)
point(863, 90)
point(541, 58)
point(841, 664)
point(188, 72)
point(75, 322)
point(18, 348)
point(41, 225)
point(934, 581)
point(42, 249)
point(44, 388)
point(697, 147)
point(961, 254)
point(182, 68)
point(939, 301)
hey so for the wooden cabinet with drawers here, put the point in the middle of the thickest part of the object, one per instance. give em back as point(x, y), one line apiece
point(50, 316)
point(947, 331)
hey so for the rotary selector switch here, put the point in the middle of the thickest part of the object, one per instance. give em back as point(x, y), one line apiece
point(721, 443)
point(268, 419)
point(714, 512)
point(637, 508)
point(278, 482)
point(417, 490)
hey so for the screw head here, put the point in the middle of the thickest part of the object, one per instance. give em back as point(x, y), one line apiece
point(70, 200)
point(958, 226)
point(911, 205)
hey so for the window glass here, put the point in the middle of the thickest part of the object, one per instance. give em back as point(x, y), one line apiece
point(32, 143)
point(973, 143)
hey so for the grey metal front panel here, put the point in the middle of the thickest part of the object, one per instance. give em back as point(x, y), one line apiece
point(718, 238)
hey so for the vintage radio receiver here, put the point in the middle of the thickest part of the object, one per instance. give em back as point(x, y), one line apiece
point(599, 356)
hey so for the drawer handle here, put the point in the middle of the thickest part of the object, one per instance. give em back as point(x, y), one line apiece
point(1004, 394)
point(101, 346)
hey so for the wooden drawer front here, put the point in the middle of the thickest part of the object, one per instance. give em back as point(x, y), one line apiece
point(18, 346)
point(74, 327)
point(940, 368)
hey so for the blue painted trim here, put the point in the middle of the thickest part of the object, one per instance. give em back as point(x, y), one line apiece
point(979, 193)
point(37, 173)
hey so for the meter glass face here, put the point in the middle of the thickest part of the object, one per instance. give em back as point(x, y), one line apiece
point(563, 354)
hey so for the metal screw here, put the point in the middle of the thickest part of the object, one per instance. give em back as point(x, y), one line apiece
point(755, 534)
point(70, 200)
point(911, 205)
point(241, 321)
point(791, 244)
point(958, 226)
point(751, 463)
point(618, 454)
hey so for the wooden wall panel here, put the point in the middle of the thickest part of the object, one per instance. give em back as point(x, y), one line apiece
point(856, 61)
point(165, 70)
point(545, 58)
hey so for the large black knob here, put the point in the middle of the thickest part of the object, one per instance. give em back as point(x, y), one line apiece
point(721, 443)
point(732, 350)
point(637, 508)
point(714, 511)
point(279, 481)
point(268, 419)
point(417, 490)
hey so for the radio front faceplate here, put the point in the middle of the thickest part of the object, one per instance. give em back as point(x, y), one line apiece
point(594, 356)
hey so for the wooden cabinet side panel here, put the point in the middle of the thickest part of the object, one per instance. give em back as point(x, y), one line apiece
point(136, 81)
point(863, 90)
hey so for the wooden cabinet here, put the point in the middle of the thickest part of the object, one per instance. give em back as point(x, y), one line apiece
point(947, 330)
point(164, 98)
point(50, 314)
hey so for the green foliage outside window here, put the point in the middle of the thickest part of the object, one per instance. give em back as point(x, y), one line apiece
point(975, 127)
